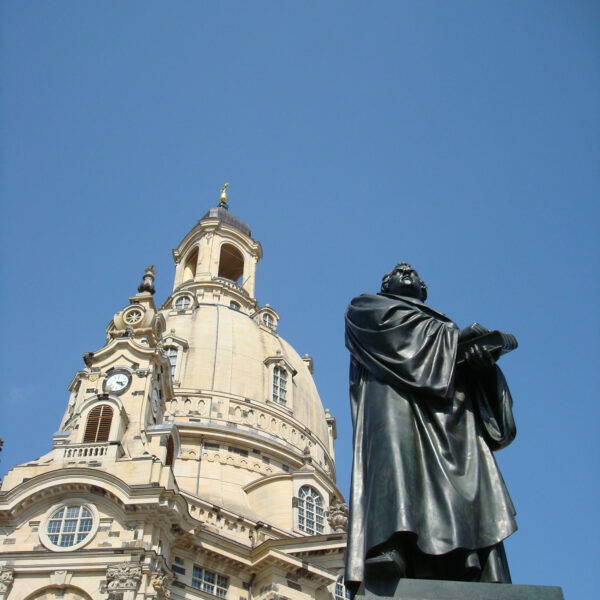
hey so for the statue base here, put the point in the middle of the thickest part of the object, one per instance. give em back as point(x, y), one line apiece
point(430, 589)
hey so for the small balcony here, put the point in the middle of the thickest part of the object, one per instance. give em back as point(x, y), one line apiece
point(92, 451)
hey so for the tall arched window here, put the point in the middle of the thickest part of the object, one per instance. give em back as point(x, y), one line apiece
point(98, 424)
point(279, 385)
point(311, 516)
point(189, 271)
point(231, 263)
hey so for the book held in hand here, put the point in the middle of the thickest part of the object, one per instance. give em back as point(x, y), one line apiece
point(496, 342)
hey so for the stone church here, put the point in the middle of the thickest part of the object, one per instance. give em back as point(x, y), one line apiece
point(194, 459)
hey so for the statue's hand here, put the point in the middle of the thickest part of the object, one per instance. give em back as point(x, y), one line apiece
point(479, 358)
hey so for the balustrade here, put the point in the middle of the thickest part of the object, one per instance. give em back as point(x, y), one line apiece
point(91, 451)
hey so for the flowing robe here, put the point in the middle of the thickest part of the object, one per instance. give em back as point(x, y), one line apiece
point(424, 433)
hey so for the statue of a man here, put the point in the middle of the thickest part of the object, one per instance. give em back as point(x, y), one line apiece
point(427, 498)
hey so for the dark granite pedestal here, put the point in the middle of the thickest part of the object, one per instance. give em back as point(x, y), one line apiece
point(426, 589)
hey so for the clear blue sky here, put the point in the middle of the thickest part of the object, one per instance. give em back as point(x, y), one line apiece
point(462, 137)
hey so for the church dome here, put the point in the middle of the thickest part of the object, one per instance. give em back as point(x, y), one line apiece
point(233, 355)
point(196, 437)
point(244, 401)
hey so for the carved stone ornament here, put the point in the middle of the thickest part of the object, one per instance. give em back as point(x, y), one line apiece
point(61, 578)
point(161, 582)
point(123, 576)
point(6, 580)
point(338, 516)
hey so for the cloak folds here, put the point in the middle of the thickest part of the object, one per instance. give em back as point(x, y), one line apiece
point(424, 433)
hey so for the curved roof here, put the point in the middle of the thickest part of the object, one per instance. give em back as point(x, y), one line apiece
point(229, 353)
point(221, 212)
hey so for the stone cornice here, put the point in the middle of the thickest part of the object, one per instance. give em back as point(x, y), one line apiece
point(324, 481)
point(251, 439)
point(205, 226)
point(272, 553)
point(142, 352)
point(170, 504)
point(232, 290)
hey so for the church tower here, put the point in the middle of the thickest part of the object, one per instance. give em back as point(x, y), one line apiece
point(194, 458)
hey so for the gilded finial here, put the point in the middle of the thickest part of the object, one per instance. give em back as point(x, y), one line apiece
point(223, 197)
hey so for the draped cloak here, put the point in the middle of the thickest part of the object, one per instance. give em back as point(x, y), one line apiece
point(424, 433)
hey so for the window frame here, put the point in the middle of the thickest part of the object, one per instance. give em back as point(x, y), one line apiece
point(186, 303)
point(172, 365)
point(304, 512)
point(267, 319)
point(345, 592)
point(279, 388)
point(203, 581)
point(271, 362)
point(65, 504)
point(182, 346)
point(101, 426)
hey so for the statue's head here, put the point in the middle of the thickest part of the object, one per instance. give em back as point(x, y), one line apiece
point(403, 280)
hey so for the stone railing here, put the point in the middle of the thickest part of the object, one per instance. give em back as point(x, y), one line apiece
point(90, 451)
point(231, 284)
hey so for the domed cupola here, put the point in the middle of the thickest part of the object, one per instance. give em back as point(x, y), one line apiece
point(217, 260)
point(252, 426)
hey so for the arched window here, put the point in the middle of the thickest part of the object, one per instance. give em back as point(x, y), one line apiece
point(171, 353)
point(98, 424)
point(268, 321)
point(279, 385)
point(189, 271)
point(170, 452)
point(183, 303)
point(231, 263)
point(310, 511)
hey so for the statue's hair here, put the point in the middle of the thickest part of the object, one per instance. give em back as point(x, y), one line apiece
point(402, 267)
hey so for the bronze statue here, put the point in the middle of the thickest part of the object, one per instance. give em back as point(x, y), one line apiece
point(427, 498)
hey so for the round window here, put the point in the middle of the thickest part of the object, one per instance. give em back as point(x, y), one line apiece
point(133, 316)
point(69, 525)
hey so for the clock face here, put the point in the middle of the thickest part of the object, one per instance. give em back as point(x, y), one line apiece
point(117, 382)
point(154, 400)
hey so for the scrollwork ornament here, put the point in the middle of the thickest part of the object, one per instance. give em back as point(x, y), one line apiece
point(123, 576)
